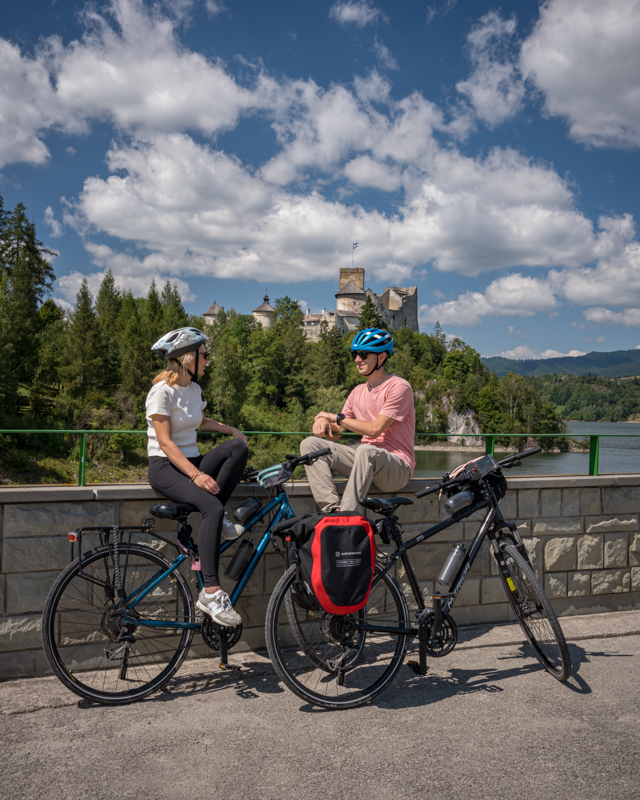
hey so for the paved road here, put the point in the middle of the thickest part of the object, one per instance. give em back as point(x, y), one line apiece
point(486, 722)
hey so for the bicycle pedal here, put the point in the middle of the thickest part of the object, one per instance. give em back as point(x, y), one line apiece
point(228, 667)
point(414, 666)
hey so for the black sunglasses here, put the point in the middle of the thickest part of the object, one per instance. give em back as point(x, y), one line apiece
point(204, 355)
point(362, 353)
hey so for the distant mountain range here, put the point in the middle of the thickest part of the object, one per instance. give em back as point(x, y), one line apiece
point(619, 364)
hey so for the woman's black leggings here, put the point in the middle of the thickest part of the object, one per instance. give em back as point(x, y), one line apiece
point(225, 464)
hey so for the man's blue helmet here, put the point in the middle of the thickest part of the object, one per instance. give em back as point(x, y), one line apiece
point(177, 343)
point(373, 340)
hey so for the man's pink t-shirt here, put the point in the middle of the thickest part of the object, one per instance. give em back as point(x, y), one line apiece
point(393, 398)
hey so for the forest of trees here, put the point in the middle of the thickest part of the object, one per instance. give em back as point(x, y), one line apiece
point(92, 368)
point(589, 398)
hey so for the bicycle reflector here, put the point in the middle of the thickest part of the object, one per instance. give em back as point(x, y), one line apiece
point(73, 537)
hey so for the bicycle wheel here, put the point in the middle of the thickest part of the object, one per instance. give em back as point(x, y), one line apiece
point(326, 659)
point(535, 614)
point(90, 646)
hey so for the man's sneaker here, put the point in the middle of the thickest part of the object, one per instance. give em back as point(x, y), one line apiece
point(230, 530)
point(219, 608)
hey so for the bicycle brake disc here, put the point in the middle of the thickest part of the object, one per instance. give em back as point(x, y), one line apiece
point(442, 644)
point(210, 635)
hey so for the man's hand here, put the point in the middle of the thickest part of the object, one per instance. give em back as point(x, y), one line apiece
point(321, 427)
point(328, 416)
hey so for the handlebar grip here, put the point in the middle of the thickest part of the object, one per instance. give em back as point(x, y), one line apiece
point(532, 452)
point(428, 490)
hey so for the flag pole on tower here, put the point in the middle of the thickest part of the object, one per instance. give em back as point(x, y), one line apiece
point(355, 244)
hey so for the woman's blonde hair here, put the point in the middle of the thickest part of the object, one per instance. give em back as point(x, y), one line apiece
point(173, 370)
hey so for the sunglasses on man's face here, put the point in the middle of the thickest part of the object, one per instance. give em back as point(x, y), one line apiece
point(364, 354)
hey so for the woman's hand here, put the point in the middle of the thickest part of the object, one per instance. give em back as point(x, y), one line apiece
point(206, 482)
point(236, 434)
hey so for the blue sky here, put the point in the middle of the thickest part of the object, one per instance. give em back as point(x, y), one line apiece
point(487, 153)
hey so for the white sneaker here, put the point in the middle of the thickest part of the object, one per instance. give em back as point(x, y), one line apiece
point(230, 530)
point(219, 608)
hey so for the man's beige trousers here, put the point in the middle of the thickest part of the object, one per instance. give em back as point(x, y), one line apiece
point(363, 464)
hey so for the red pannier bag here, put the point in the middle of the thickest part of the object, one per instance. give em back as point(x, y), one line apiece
point(336, 555)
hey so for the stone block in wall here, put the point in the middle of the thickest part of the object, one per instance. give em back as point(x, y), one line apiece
point(555, 584)
point(615, 550)
point(482, 564)
point(610, 581)
point(591, 551)
point(560, 553)
point(252, 610)
point(255, 586)
point(621, 500)
point(557, 527)
point(454, 533)
point(578, 584)
point(20, 633)
point(469, 595)
point(426, 589)
point(424, 509)
point(509, 504)
point(49, 519)
point(136, 512)
point(492, 591)
point(634, 550)
point(608, 524)
point(551, 502)
point(1, 594)
point(18, 665)
point(528, 503)
point(27, 591)
point(635, 579)
point(427, 560)
point(30, 553)
point(570, 503)
point(534, 551)
point(590, 501)
point(274, 570)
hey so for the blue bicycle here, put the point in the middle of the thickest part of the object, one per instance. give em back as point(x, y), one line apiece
point(119, 620)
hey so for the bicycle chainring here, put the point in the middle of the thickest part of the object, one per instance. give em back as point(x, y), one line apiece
point(210, 634)
point(446, 640)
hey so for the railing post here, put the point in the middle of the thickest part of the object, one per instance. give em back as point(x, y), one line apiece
point(489, 445)
point(594, 448)
point(83, 458)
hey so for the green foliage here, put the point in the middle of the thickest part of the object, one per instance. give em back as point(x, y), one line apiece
point(369, 317)
point(590, 398)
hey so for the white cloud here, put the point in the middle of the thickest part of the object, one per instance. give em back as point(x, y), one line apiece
point(524, 352)
point(495, 88)
point(52, 222)
point(214, 8)
point(584, 56)
point(605, 316)
point(513, 294)
point(358, 12)
point(384, 55)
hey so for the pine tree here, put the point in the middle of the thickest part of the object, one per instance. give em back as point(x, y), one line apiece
point(173, 314)
point(80, 369)
point(152, 325)
point(331, 358)
point(369, 316)
point(134, 364)
point(108, 304)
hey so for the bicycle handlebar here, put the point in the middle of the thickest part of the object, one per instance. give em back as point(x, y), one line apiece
point(508, 462)
point(296, 461)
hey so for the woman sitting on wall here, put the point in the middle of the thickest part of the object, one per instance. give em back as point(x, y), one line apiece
point(175, 412)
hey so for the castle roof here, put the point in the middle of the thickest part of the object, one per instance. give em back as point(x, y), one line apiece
point(264, 307)
point(213, 310)
point(350, 288)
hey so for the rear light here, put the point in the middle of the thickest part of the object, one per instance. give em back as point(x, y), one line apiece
point(73, 537)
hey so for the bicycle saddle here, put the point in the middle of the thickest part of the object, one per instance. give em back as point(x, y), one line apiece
point(384, 506)
point(171, 510)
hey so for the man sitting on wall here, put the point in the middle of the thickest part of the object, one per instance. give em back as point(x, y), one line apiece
point(382, 412)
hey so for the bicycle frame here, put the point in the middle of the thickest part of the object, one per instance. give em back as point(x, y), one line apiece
point(284, 511)
point(491, 524)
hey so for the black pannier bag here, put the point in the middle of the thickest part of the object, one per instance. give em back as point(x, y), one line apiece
point(335, 555)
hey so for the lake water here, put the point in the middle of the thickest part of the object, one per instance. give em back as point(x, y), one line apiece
point(616, 454)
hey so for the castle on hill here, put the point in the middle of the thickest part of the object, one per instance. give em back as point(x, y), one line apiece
point(397, 306)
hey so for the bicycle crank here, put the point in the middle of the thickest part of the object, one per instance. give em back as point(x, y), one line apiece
point(437, 643)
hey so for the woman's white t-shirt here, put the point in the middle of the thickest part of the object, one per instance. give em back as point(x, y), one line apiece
point(184, 404)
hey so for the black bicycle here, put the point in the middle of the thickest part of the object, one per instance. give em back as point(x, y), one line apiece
point(337, 661)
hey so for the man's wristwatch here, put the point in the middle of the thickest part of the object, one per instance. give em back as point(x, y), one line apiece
point(339, 418)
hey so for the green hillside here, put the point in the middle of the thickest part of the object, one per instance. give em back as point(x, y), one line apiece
point(589, 398)
point(618, 364)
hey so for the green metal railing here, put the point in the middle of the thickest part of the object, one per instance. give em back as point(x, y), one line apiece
point(489, 438)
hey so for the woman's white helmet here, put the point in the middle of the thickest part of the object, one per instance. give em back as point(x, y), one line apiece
point(177, 343)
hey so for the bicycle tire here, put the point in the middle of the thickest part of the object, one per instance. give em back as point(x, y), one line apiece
point(303, 661)
point(80, 623)
point(533, 611)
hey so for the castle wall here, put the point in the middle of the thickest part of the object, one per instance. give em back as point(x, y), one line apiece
point(353, 274)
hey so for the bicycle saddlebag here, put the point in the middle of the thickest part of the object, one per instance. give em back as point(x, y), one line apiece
point(336, 556)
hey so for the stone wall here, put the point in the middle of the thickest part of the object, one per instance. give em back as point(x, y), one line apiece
point(582, 533)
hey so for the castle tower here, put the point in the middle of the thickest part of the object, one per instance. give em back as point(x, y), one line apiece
point(264, 313)
point(354, 275)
